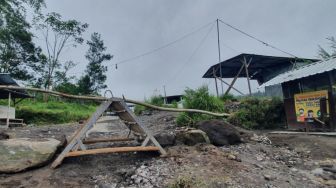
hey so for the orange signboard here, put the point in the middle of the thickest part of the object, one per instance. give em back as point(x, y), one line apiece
point(307, 105)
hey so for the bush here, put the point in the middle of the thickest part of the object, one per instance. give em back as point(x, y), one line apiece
point(156, 100)
point(259, 113)
point(202, 100)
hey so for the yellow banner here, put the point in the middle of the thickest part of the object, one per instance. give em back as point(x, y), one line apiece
point(307, 105)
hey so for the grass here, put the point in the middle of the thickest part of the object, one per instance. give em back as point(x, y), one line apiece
point(52, 112)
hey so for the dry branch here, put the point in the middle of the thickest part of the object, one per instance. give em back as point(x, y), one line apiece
point(99, 98)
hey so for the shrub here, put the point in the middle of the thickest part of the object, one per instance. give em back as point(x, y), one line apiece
point(202, 100)
point(156, 100)
point(228, 97)
point(138, 109)
point(259, 113)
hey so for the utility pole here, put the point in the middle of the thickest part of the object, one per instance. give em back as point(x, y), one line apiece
point(165, 95)
point(219, 55)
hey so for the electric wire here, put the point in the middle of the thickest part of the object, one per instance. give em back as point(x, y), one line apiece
point(192, 54)
point(163, 46)
point(265, 43)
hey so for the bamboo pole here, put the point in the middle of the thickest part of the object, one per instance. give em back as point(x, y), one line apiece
point(99, 98)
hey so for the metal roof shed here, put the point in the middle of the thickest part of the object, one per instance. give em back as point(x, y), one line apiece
point(309, 94)
point(257, 67)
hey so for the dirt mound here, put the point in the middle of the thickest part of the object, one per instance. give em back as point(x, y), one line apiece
point(219, 132)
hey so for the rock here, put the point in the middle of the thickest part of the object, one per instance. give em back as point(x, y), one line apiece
point(268, 177)
point(166, 139)
point(220, 133)
point(22, 153)
point(231, 157)
point(317, 171)
point(3, 136)
point(192, 137)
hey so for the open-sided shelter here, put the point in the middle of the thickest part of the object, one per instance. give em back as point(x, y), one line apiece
point(253, 67)
point(7, 113)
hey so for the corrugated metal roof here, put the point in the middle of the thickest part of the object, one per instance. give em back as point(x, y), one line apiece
point(304, 71)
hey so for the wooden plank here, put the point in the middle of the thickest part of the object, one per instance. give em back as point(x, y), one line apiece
point(93, 141)
point(112, 150)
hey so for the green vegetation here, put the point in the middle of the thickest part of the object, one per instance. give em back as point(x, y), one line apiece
point(52, 112)
point(154, 100)
point(199, 99)
point(259, 113)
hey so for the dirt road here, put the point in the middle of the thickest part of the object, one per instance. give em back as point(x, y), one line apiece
point(285, 161)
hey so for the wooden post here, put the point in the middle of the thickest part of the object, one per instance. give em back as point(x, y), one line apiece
point(214, 75)
point(9, 103)
point(247, 75)
point(331, 101)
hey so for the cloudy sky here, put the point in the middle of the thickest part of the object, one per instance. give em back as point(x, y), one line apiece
point(132, 27)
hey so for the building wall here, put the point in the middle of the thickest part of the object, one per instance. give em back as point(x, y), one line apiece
point(4, 112)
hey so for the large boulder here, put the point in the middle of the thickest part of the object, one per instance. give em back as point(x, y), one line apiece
point(192, 137)
point(22, 153)
point(165, 138)
point(220, 132)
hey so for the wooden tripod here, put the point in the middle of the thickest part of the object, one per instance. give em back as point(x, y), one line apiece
point(76, 146)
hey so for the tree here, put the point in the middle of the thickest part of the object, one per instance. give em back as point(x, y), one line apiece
point(324, 54)
point(18, 54)
point(94, 79)
point(58, 34)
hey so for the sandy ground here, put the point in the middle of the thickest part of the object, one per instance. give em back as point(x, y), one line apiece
point(285, 161)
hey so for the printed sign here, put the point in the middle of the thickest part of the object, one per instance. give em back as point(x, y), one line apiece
point(307, 105)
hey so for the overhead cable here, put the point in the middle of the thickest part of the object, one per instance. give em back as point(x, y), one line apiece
point(164, 46)
point(265, 43)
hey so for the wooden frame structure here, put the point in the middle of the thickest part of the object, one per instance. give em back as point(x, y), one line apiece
point(77, 147)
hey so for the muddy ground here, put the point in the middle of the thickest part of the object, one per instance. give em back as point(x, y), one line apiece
point(265, 160)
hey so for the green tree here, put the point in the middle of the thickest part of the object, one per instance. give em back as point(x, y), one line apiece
point(324, 54)
point(95, 74)
point(58, 34)
point(18, 54)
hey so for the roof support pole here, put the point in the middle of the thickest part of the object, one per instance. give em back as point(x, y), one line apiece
point(247, 75)
point(214, 75)
point(8, 111)
point(234, 80)
point(219, 57)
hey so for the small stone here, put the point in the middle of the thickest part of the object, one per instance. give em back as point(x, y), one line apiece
point(259, 158)
point(268, 177)
point(294, 169)
point(317, 171)
point(231, 157)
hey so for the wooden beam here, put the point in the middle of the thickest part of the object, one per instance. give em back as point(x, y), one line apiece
point(231, 86)
point(112, 150)
point(93, 141)
point(234, 80)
